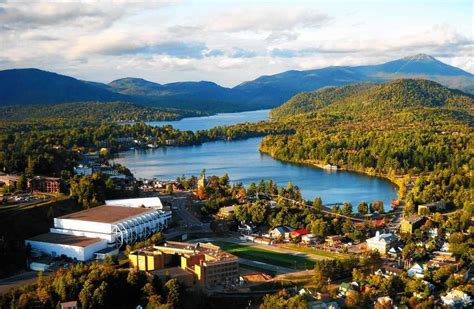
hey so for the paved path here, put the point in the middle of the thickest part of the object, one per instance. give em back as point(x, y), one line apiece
point(24, 278)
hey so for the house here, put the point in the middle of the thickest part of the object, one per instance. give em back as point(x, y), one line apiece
point(299, 233)
point(411, 223)
point(9, 180)
point(245, 229)
point(427, 209)
point(69, 305)
point(226, 212)
point(345, 287)
point(456, 299)
point(332, 240)
point(416, 271)
point(263, 240)
point(385, 301)
point(281, 231)
point(381, 242)
point(82, 169)
point(45, 184)
point(394, 252)
point(309, 238)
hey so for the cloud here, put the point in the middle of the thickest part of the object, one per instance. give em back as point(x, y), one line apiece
point(243, 53)
point(266, 19)
point(38, 14)
point(214, 53)
point(281, 36)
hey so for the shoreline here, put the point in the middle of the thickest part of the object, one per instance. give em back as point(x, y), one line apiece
point(320, 165)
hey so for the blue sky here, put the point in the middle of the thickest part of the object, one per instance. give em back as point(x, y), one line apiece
point(227, 41)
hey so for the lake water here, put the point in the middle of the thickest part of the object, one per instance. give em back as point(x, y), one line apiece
point(244, 163)
point(205, 123)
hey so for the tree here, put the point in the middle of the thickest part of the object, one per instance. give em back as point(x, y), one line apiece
point(318, 204)
point(100, 296)
point(172, 290)
point(319, 228)
point(347, 209)
point(320, 278)
point(352, 299)
point(347, 227)
point(22, 183)
point(363, 208)
point(85, 296)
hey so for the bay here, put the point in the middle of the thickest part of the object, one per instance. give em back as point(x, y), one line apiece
point(244, 163)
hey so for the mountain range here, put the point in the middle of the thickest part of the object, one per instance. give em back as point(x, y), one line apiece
point(34, 86)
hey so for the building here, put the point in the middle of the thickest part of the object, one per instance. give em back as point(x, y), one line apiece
point(9, 180)
point(76, 247)
point(299, 233)
point(309, 239)
point(281, 231)
point(81, 234)
point(83, 169)
point(45, 184)
point(381, 242)
point(416, 271)
point(427, 209)
point(70, 305)
point(148, 202)
point(332, 240)
point(226, 212)
point(411, 223)
point(457, 299)
point(210, 265)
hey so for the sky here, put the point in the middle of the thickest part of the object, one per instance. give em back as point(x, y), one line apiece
point(227, 42)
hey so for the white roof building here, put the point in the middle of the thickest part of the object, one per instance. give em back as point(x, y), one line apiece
point(416, 271)
point(147, 202)
point(79, 235)
point(457, 299)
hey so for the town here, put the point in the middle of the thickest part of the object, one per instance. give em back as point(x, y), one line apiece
point(231, 240)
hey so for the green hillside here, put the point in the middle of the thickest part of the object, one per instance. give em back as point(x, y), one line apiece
point(364, 99)
point(91, 111)
point(401, 129)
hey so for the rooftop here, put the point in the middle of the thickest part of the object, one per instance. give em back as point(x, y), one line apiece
point(211, 252)
point(106, 214)
point(413, 219)
point(64, 239)
point(137, 202)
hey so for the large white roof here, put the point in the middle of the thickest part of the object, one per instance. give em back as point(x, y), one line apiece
point(148, 202)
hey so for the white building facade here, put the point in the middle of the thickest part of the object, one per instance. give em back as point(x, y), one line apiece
point(79, 235)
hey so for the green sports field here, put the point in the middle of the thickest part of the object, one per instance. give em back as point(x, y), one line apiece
point(266, 256)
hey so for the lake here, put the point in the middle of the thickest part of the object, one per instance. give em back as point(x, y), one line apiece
point(208, 122)
point(244, 163)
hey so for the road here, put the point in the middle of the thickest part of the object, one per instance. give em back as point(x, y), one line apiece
point(190, 223)
point(27, 277)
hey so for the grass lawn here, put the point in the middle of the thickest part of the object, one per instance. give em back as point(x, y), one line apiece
point(313, 251)
point(266, 256)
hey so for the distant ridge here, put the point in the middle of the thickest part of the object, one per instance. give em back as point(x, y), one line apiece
point(395, 95)
point(34, 86)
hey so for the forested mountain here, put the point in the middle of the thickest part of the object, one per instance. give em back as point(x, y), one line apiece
point(32, 86)
point(203, 95)
point(275, 89)
point(373, 98)
point(401, 129)
point(91, 111)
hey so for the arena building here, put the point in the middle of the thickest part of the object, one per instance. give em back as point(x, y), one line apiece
point(81, 234)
